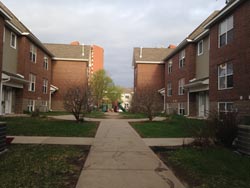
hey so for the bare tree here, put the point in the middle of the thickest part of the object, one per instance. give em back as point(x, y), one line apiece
point(147, 100)
point(76, 102)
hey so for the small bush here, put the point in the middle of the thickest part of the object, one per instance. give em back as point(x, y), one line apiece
point(224, 127)
point(36, 113)
point(202, 133)
point(246, 120)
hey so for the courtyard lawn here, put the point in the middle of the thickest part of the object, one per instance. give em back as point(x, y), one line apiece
point(42, 166)
point(173, 127)
point(28, 126)
point(214, 167)
point(95, 114)
point(129, 115)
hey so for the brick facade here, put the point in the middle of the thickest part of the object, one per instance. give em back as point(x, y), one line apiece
point(65, 75)
point(98, 59)
point(187, 72)
point(150, 75)
point(26, 67)
point(236, 52)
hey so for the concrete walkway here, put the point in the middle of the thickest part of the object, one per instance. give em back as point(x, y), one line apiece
point(120, 159)
point(52, 140)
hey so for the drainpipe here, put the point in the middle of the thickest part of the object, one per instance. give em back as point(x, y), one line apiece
point(188, 103)
point(1, 94)
point(164, 106)
point(50, 101)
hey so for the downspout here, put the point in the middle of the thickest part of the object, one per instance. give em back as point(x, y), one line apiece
point(188, 103)
point(1, 94)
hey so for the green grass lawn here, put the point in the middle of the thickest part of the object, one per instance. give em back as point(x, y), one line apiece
point(214, 167)
point(28, 126)
point(36, 166)
point(174, 127)
point(55, 113)
point(129, 115)
point(95, 114)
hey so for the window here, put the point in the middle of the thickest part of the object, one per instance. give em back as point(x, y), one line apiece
point(169, 108)
point(169, 89)
point(226, 31)
point(32, 53)
point(44, 103)
point(225, 107)
point(31, 105)
point(32, 84)
point(126, 96)
point(13, 40)
point(46, 63)
point(225, 76)
point(182, 59)
point(45, 86)
point(170, 66)
point(200, 48)
point(181, 109)
point(181, 90)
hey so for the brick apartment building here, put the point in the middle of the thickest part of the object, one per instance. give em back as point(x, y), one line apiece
point(187, 74)
point(149, 68)
point(69, 69)
point(72, 65)
point(230, 58)
point(210, 69)
point(26, 69)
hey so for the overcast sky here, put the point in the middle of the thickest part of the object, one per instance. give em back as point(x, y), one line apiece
point(116, 25)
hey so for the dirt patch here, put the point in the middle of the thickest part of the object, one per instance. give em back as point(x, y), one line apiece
point(185, 178)
point(78, 164)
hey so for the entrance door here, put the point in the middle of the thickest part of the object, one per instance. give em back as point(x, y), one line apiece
point(7, 100)
point(202, 104)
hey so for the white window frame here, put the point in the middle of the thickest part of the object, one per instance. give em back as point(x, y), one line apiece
point(225, 76)
point(181, 84)
point(33, 53)
point(32, 83)
point(169, 89)
point(181, 109)
point(13, 40)
point(182, 59)
point(200, 48)
point(45, 86)
point(170, 66)
point(46, 63)
point(44, 103)
point(225, 27)
point(226, 105)
point(31, 105)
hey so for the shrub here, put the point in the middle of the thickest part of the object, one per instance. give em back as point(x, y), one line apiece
point(224, 127)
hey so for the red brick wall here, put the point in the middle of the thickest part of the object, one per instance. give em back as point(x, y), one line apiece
point(187, 72)
point(151, 75)
point(97, 58)
point(66, 74)
point(237, 52)
point(25, 67)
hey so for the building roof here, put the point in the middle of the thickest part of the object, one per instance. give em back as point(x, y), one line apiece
point(19, 28)
point(198, 33)
point(153, 55)
point(231, 5)
point(68, 51)
point(200, 29)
